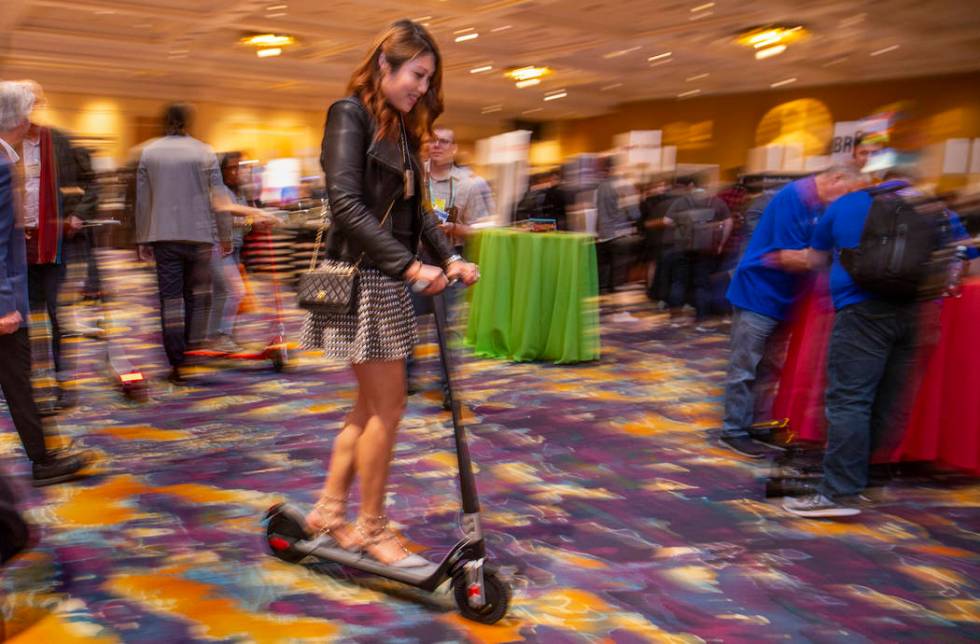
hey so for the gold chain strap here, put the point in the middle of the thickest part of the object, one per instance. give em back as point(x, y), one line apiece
point(323, 226)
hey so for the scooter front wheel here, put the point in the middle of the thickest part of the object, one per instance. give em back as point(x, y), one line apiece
point(495, 592)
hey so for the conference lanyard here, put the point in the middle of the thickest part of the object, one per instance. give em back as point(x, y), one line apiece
point(452, 193)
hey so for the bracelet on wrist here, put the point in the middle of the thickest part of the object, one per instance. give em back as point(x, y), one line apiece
point(451, 259)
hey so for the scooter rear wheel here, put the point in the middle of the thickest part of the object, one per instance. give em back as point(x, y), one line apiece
point(281, 533)
point(496, 593)
point(279, 360)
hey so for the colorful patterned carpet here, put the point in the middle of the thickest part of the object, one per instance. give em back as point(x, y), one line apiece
point(612, 511)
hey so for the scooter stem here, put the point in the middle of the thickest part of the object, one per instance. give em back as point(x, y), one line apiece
point(467, 482)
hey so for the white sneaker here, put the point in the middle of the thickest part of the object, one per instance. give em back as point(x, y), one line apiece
point(817, 506)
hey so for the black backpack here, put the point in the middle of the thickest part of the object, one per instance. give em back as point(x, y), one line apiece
point(895, 255)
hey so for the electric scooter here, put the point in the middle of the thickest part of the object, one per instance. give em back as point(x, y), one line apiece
point(276, 350)
point(479, 592)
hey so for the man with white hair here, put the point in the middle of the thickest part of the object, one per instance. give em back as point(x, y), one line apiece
point(16, 102)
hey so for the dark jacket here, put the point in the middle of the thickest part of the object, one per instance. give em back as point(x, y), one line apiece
point(80, 192)
point(13, 259)
point(364, 177)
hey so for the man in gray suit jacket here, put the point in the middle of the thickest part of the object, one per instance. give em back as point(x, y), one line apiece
point(178, 186)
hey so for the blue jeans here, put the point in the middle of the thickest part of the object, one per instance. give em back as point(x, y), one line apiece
point(227, 291)
point(758, 347)
point(870, 369)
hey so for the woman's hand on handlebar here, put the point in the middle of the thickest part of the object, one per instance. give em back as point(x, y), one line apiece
point(466, 272)
point(426, 279)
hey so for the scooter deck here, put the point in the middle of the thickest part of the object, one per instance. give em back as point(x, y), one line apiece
point(325, 549)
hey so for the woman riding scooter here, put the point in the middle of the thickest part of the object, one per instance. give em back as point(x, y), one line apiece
point(379, 216)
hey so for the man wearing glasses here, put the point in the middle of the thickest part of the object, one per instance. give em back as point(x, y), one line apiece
point(461, 200)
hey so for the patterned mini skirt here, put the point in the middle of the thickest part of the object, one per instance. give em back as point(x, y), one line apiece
point(381, 325)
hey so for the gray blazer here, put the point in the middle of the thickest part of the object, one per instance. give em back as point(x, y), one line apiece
point(174, 180)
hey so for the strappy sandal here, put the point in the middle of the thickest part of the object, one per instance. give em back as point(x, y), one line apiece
point(377, 540)
point(331, 520)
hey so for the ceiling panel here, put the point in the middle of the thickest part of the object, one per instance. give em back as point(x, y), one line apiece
point(598, 49)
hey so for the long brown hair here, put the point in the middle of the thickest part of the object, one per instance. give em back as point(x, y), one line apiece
point(401, 42)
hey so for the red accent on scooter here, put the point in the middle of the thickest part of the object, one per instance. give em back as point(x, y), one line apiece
point(474, 590)
point(278, 543)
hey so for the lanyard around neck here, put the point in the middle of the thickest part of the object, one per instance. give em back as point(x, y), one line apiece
point(452, 190)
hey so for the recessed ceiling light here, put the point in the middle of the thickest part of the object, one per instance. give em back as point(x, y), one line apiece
point(697, 77)
point(620, 52)
point(530, 82)
point(703, 7)
point(556, 95)
point(465, 37)
point(503, 28)
point(268, 40)
point(276, 15)
point(276, 7)
point(783, 82)
point(693, 92)
point(666, 54)
point(422, 19)
point(884, 51)
point(480, 70)
point(609, 87)
point(769, 52)
point(465, 31)
point(269, 53)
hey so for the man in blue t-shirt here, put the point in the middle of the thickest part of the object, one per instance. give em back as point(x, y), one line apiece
point(870, 360)
point(763, 288)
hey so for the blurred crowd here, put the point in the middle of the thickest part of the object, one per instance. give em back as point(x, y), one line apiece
point(735, 259)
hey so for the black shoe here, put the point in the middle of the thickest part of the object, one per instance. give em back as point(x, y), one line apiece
point(58, 468)
point(744, 446)
point(769, 438)
point(176, 378)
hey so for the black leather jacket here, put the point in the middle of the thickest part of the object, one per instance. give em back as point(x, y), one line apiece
point(364, 177)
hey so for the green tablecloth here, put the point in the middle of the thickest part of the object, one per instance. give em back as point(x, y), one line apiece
point(537, 298)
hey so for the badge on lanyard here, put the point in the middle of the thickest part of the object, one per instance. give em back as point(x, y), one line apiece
point(409, 183)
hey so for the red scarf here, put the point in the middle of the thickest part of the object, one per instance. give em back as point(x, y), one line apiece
point(44, 245)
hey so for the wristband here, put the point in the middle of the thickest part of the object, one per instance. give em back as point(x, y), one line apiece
point(452, 258)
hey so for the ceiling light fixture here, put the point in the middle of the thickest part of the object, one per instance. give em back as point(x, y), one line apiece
point(769, 52)
point(692, 92)
point(788, 81)
point(276, 15)
point(770, 40)
point(556, 96)
point(503, 28)
point(480, 70)
point(528, 72)
point(836, 61)
point(690, 79)
point(884, 51)
point(268, 40)
point(465, 31)
point(490, 109)
point(277, 7)
point(531, 82)
point(666, 54)
point(422, 19)
point(609, 87)
point(620, 52)
point(465, 37)
point(703, 7)
point(269, 52)
point(534, 111)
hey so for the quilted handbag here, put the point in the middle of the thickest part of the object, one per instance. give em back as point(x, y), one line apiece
point(331, 287)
